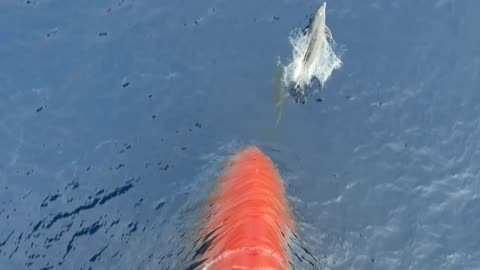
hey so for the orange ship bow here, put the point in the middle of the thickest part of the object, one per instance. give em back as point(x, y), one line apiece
point(249, 221)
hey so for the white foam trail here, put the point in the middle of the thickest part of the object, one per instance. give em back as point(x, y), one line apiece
point(313, 55)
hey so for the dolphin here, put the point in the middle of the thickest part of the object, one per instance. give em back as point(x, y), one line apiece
point(317, 34)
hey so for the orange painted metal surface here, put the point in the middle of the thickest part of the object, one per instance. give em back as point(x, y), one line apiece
point(249, 221)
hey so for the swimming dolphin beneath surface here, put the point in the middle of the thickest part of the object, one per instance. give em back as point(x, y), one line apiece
point(317, 35)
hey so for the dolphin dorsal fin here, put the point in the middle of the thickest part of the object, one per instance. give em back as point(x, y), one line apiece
point(328, 35)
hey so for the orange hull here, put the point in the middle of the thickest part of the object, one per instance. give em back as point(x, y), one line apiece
point(249, 221)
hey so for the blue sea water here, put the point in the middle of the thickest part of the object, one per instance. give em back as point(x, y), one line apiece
point(116, 115)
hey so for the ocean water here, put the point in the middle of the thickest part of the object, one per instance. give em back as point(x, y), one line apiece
point(115, 117)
